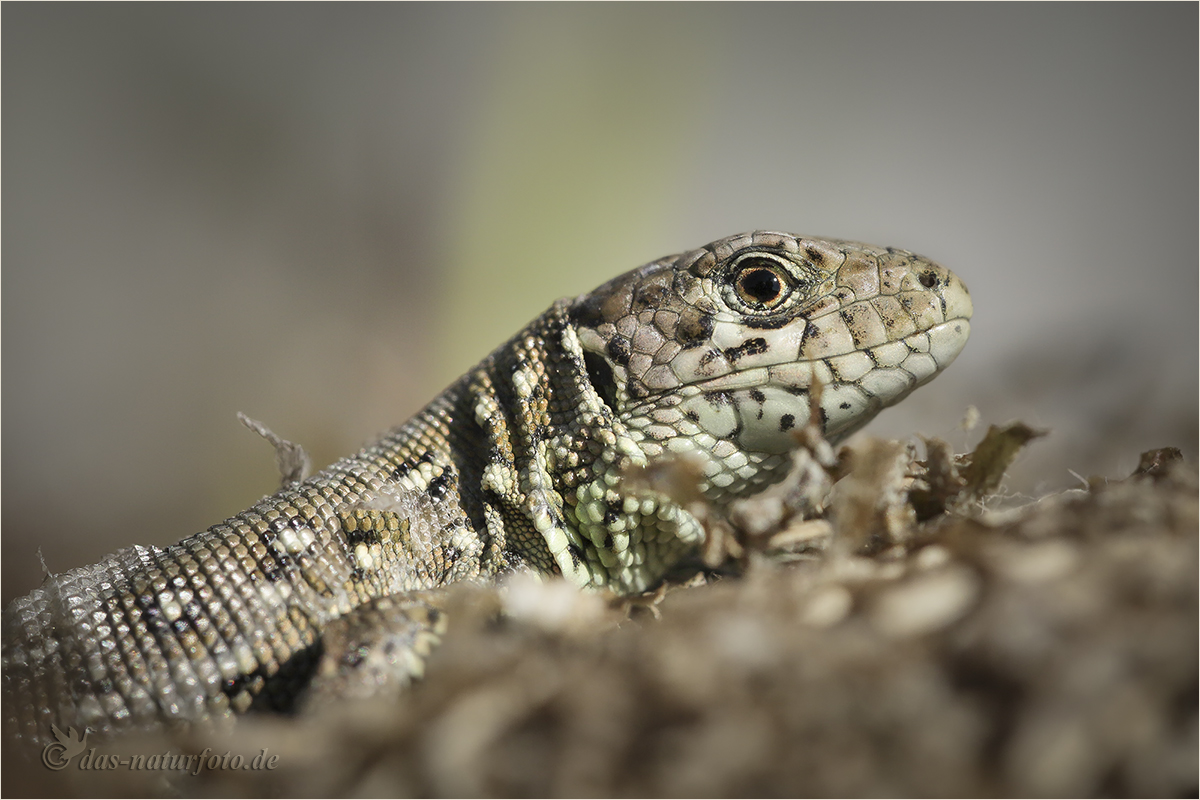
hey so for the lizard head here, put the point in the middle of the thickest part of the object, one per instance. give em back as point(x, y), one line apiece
point(713, 351)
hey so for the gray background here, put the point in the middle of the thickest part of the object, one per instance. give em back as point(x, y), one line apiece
point(321, 214)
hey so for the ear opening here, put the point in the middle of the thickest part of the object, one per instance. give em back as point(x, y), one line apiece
point(601, 375)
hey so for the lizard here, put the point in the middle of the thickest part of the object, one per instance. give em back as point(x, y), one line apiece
point(517, 465)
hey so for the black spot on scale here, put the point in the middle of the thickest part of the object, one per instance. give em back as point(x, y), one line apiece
point(439, 486)
point(152, 619)
point(649, 296)
point(750, 347)
point(760, 398)
point(845, 405)
point(787, 422)
point(556, 325)
point(409, 464)
point(851, 317)
point(274, 564)
point(692, 415)
point(814, 255)
point(276, 571)
point(706, 360)
point(361, 536)
point(765, 323)
point(146, 603)
point(810, 332)
point(193, 611)
point(718, 399)
point(618, 350)
point(694, 328)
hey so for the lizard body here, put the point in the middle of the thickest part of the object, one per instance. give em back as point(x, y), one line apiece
point(516, 465)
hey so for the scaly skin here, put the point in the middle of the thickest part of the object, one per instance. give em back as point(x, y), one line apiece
point(515, 466)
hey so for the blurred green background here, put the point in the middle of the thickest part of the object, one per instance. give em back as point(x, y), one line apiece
point(321, 214)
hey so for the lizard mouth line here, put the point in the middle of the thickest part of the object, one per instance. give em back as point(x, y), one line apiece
point(943, 342)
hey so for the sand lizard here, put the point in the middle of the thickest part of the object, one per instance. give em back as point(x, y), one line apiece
point(516, 465)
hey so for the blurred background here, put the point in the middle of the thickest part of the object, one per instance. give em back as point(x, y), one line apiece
point(319, 215)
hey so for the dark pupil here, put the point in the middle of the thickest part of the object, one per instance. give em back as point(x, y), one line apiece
point(761, 284)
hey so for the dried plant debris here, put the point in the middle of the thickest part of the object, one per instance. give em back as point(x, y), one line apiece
point(1157, 463)
point(950, 482)
point(868, 627)
point(292, 459)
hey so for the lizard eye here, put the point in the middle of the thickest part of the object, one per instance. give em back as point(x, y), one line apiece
point(761, 283)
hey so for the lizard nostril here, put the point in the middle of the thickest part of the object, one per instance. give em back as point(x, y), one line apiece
point(928, 279)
